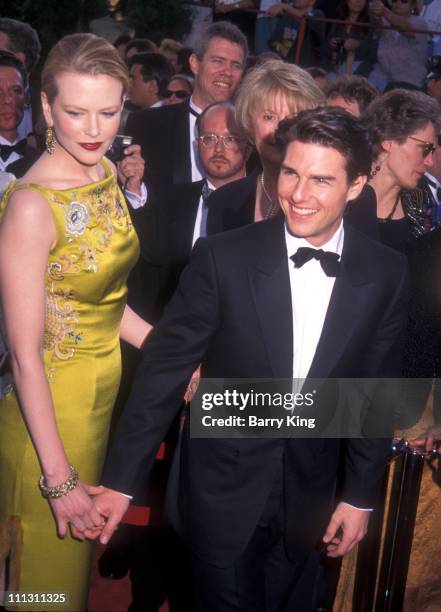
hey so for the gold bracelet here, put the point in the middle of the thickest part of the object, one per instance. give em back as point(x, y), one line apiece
point(62, 489)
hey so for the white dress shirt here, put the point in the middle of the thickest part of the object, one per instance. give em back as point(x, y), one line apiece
point(434, 185)
point(137, 200)
point(310, 294)
point(197, 171)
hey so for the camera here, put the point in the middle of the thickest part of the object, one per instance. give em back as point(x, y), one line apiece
point(116, 151)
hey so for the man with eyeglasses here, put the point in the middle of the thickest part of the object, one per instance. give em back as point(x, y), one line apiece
point(168, 135)
point(173, 222)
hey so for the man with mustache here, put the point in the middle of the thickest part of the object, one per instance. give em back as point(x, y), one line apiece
point(174, 222)
point(168, 135)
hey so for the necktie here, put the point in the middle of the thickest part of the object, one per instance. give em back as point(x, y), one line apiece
point(193, 112)
point(18, 147)
point(329, 261)
point(206, 190)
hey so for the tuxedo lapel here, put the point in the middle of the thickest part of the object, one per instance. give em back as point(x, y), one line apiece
point(270, 287)
point(184, 213)
point(181, 145)
point(349, 297)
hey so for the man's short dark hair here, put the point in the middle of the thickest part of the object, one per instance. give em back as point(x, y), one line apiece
point(331, 127)
point(154, 66)
point(352, 88)
point(141, 45)
point(124, 39)
point(221, 29)
point(9, 60)
point(316, 72)
point(22, 39)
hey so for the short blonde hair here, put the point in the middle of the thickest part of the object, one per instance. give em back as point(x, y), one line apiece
point(85, 54)
point(272, 78)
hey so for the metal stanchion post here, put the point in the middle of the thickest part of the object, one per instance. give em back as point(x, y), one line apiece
point(400, 527)
point(368, 556)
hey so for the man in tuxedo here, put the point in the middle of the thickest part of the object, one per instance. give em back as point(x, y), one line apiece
point(431, 182)
point(173, 222)
point(16, 156)
point(168, 135)
point(299, 295)
point(149, 76)
point(22, 40)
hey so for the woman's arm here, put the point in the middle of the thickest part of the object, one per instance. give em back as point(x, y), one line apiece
point(134, 330)
point(27, 234)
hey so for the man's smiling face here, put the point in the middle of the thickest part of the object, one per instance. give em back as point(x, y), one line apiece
point(314, 190)
point(218, 73)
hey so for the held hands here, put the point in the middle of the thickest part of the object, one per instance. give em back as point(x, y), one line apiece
point(77, 509)
point(131, 169)
point(347, 527)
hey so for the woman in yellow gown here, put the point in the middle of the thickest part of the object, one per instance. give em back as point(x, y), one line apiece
point(66, 248)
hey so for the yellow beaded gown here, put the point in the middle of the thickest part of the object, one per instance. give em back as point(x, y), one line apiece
point(85, 297)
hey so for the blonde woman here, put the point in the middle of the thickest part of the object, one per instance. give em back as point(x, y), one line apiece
point(66, 248)
point(269, 93)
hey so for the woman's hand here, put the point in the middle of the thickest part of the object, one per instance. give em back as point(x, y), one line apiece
point(77, 510)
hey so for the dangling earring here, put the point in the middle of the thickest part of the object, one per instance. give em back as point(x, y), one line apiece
point(50, 140)
point(376, 170)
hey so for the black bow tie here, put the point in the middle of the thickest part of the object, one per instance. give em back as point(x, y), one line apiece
point(7, 150)
point(206, 191)
point(328, 260)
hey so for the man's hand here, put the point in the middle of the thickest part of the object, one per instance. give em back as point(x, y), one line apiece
point(348, 525)
point(276, 9)
point(112, 505)
point(428, 441)
point(77, 511)
point(131, 169)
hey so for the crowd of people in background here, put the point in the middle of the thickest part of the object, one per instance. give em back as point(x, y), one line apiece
point(204, 141)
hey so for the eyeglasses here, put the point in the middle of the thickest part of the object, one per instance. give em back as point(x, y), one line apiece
point(230, 141)
point(427, 147)
point(179, 93)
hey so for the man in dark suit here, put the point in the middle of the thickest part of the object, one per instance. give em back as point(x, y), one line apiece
point(172, 223)
point(167, 135)
point(16, 156)
point(431, 183)
point(22, 40)
point(298, 296)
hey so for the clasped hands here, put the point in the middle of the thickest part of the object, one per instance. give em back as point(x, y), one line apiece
point(90, 512)
point(347, 526)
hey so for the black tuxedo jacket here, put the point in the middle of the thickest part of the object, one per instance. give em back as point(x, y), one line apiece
point(22, 165)
point(165, 228)
point(164, 136)
point(232, 312)
point(233, 206)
